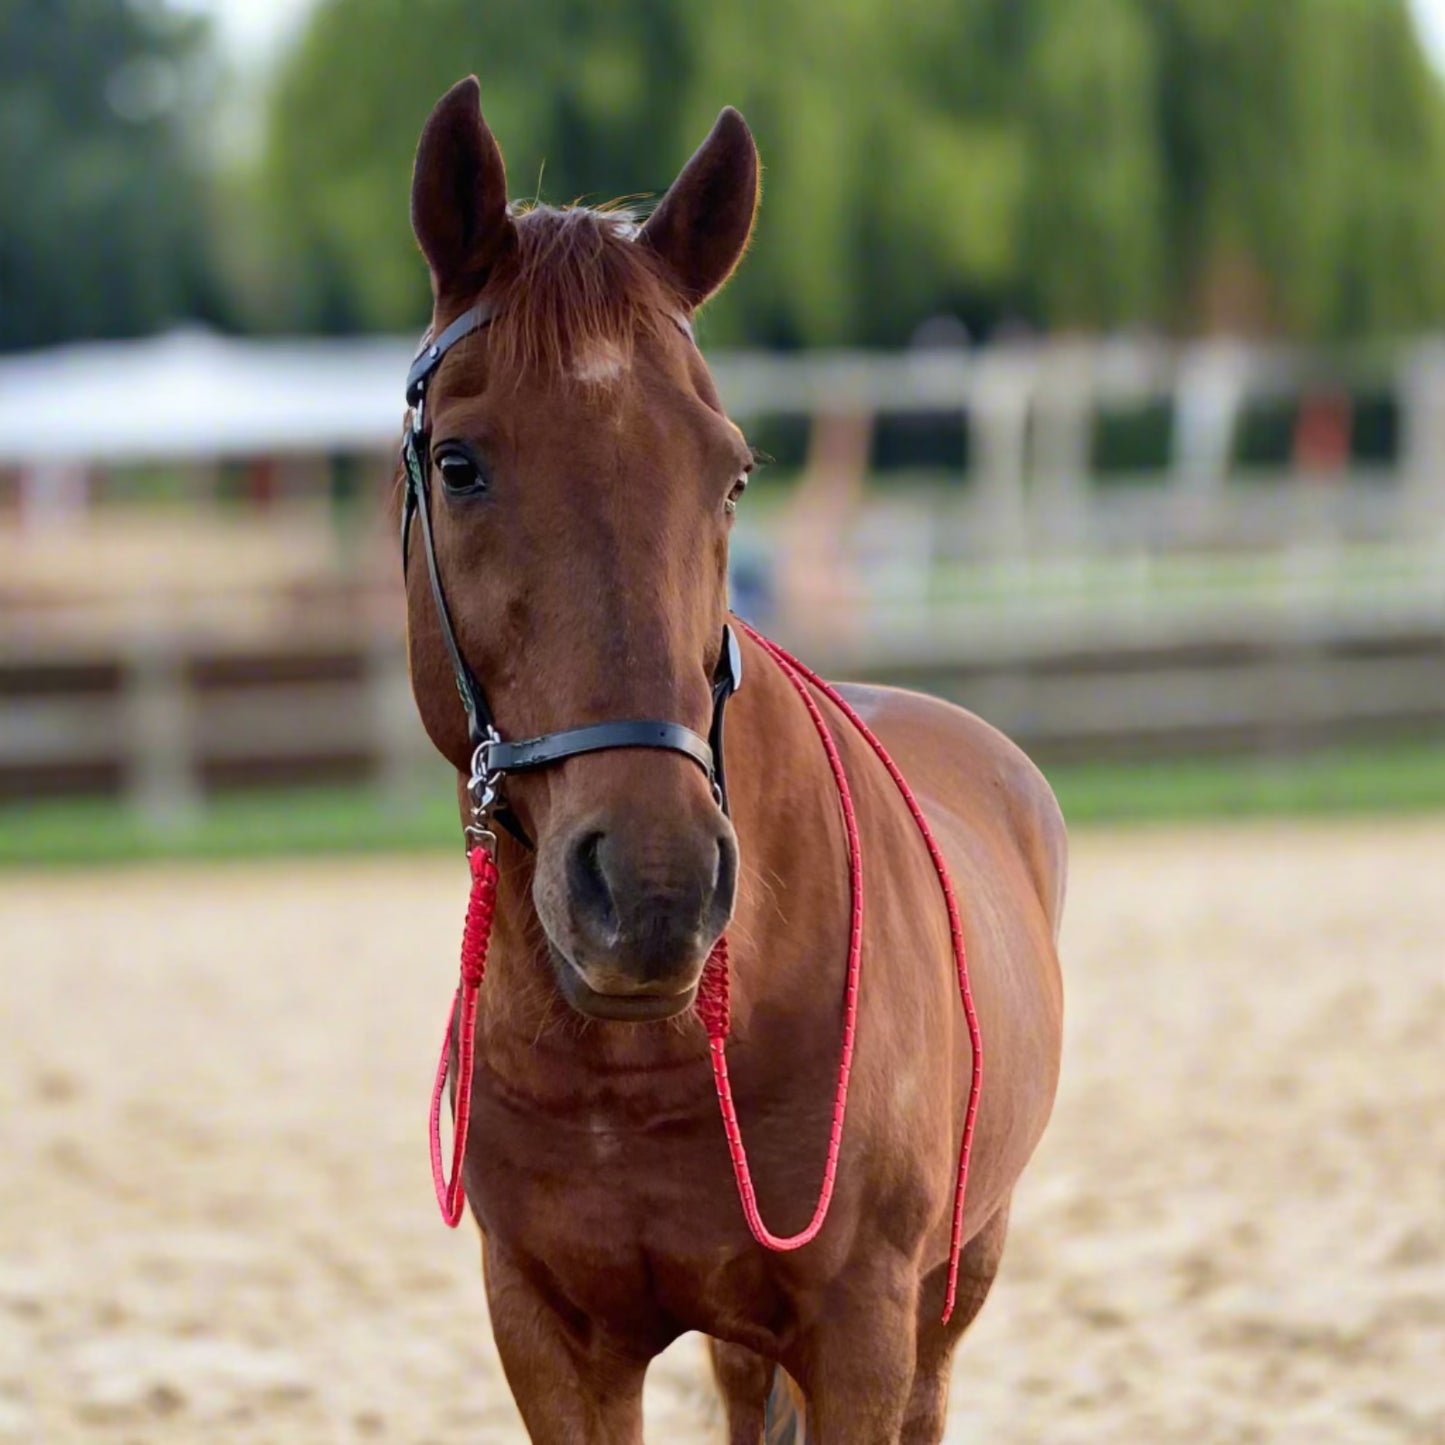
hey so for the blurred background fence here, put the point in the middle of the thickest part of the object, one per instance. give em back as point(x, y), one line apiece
point(1110, 410)
point(1107, 549)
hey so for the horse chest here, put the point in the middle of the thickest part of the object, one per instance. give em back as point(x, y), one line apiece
point(607, 1162)
point(628, 1210)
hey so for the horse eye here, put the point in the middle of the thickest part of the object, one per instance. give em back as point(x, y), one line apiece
point(738, 488)
point(460, 473)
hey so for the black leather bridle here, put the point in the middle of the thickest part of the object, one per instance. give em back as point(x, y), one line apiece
point(492, 758)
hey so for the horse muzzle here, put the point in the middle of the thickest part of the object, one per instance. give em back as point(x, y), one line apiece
point(632, 918)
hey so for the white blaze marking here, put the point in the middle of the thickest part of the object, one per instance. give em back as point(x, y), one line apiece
point(604, 1139)
point(600, 363)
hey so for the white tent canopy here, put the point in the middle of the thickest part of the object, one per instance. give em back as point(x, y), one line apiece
point(195, 395)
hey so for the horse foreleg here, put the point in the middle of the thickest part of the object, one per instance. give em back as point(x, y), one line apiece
point(856, 1364)
point(571, 1389)
point(927, 1414)
point(744, 1379)
point(764, 1407)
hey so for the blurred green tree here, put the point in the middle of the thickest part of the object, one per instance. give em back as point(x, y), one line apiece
point(894, 168)
point(1253, 164)
point(1305, 142)
point(1266, 165)
point(102, 223)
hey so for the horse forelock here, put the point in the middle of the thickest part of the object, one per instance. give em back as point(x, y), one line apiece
point(577, 287)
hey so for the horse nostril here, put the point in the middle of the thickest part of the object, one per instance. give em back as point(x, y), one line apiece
point(592, 899)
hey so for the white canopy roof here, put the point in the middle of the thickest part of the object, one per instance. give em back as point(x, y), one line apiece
point(193, 394)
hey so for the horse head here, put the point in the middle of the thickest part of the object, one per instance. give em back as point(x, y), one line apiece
point(582, 479)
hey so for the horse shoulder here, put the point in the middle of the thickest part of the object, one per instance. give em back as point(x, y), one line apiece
point(950, 754)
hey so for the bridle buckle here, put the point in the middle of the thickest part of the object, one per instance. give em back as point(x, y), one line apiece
point(484, 788)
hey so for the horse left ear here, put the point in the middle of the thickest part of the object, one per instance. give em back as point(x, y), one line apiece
point(702, 227)
point(459, 193)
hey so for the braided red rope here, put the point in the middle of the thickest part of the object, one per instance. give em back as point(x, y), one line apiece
point(713, 1002)
point(481, 907)
point(795, 670)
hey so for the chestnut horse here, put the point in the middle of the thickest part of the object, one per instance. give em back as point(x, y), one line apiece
point(583, 476)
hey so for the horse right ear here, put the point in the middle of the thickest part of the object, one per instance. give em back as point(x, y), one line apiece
point(703, 225)
point(459, 194)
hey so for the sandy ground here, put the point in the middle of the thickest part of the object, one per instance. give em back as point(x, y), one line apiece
point(216, 1220)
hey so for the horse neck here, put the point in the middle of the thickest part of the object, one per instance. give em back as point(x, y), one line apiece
point(790, 926)
point(792, 910)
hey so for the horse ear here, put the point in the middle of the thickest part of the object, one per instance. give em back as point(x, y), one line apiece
point(459, 193)
point(701, 229)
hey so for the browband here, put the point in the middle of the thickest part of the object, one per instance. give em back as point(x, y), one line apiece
point(433, 352)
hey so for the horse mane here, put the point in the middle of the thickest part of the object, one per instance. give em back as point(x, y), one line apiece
point(574, 282)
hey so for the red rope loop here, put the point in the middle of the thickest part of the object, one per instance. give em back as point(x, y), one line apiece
point(481, 908)
point(796, 669)
point(714, 1009)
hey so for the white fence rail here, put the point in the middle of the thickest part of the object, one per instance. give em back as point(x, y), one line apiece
point(159, 725)
point(1031, 412)
point(1201, 607)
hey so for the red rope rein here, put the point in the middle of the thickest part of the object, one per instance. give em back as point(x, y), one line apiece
point(712, 1002)
point(796, 670)
point(714, 1007)
point(477, 934)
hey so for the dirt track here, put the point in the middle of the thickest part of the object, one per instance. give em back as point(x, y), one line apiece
point(216, 1220)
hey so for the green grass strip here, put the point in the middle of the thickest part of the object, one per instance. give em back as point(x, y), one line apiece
point(1391, 778)
point(259, 825)
point(1399, 778)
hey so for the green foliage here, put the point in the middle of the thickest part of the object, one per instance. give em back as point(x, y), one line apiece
point(1092, 253)
point(1307, 143)
point(1191, 164)
point(101, 219)
point(1094, 163)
